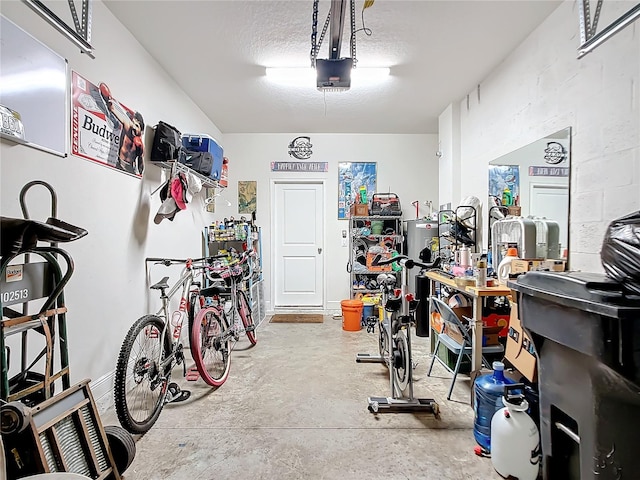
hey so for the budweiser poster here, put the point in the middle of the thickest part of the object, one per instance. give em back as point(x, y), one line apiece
point(103, 129)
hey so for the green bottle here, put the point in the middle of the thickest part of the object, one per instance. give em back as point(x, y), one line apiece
point(507, 197)
point(363, 194)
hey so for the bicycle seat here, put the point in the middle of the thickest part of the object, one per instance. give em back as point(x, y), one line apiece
point(19, 235)
point(214, 290)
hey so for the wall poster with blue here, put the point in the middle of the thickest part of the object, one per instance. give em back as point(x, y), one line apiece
point(503, 177)
point(352, 176)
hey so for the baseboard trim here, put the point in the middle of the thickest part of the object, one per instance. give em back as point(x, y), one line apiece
point(102, 391)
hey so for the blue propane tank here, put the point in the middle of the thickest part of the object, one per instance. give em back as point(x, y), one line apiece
point(488, 390)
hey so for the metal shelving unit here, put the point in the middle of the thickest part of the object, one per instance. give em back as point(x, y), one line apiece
point(361, 240)
point(452, 235)
point(254, 287)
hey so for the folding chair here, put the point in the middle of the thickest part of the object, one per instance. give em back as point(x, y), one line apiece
point(452, 324)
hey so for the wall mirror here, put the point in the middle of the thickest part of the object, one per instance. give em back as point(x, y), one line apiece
point(534, 182)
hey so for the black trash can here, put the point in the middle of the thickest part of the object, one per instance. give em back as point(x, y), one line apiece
point(586, 333)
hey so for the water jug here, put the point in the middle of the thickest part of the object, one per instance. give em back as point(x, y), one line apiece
point(488, 390)
point(515, 440)
point(504, 269)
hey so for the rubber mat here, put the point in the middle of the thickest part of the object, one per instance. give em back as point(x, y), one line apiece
point(296, 318)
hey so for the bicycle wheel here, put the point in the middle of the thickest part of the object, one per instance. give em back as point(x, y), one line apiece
point(211, 346)
point(247, 318)
point(139, 386)
point(402, 362)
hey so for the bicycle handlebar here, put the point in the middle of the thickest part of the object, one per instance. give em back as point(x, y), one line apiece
point(405, 262)
point(171, 261)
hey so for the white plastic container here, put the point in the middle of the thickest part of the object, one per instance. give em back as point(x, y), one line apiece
point(504, 269)
point(515, 440)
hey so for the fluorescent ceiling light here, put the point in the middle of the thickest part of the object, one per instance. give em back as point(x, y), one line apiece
point(306, 76)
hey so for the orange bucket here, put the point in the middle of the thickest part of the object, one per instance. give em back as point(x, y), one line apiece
point(351, 314)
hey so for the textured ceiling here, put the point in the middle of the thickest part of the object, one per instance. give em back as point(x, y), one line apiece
point(438, 51)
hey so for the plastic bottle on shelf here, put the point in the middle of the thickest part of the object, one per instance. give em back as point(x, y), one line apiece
point(481, 276)
point(507, 197)
point(504, 268)
point(488, 390)
point(363, 194)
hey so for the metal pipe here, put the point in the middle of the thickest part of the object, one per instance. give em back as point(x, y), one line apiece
point(61, 26)
point(338, 10)
point(598, 39)
point(570, 433)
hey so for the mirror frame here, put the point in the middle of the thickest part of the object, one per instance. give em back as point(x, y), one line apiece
point(550, 137)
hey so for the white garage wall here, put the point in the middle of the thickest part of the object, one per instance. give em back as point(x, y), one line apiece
point(541, 88)
point(108, 289)
point(406, 165)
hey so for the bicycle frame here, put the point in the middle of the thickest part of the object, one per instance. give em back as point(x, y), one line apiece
point(399, 320)
point(226, 272)
point(185, 283)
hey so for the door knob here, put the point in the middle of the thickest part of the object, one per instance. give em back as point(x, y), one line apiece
point(319, 250)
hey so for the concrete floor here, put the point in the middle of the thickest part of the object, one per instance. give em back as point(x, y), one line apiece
point(295, 407)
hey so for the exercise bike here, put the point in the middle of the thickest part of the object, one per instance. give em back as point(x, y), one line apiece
point(394, 341)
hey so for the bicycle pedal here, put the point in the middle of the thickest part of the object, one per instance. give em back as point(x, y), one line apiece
point(192, 374)
point(175, 394)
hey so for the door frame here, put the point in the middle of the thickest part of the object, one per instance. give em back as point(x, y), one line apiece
point(298, 181)
point(558, 186)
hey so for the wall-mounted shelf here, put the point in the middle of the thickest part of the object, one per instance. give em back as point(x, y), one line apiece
point(180, 167)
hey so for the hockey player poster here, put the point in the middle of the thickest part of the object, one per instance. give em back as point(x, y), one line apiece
point(104, 130)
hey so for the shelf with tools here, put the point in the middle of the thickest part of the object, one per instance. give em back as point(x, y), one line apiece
point(370, 236)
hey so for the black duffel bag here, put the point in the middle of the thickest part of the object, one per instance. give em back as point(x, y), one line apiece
point(201, 162)
point(167, 143)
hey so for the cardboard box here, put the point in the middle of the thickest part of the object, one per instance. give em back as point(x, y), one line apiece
point(515, 211)
point(520, 351)
point(491, 336)
point(525, 264)
point(436, 322)
point(359, 210)
point(497, 320)
point(554, 265)
point(528, 264)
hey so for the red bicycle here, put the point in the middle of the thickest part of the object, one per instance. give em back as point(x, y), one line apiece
point(224, 315)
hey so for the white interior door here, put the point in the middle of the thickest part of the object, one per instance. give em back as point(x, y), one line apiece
point(552, 202)
point(298, 213)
